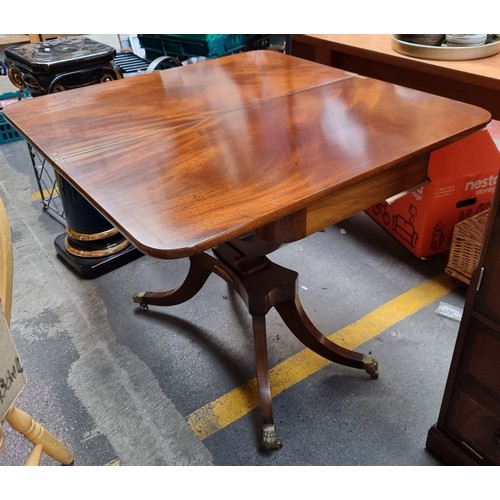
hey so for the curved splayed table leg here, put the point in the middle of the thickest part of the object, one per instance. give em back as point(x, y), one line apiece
point(302, 327)
point(269, 439)
point(261, 284)
point(199, 271)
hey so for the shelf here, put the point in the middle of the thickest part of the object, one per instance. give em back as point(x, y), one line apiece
point(10, 39)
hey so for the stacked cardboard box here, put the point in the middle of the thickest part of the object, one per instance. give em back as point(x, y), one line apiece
point(462, 180)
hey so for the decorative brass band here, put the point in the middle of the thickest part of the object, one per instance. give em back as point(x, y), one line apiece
point(92, 254)
point(91, 237)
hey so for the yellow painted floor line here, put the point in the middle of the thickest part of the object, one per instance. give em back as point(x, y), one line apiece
point(47, 193)
point(235, 404)
point(113, 463)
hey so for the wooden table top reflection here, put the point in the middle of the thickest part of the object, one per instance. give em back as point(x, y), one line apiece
point(239, 155)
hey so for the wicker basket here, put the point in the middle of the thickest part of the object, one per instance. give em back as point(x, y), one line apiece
point(466, 246)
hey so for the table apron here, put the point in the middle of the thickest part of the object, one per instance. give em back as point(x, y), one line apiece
point(347, 201)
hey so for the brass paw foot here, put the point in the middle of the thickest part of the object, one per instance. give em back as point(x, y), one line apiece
point(269, 439)
point(138, 300)
point(370, 366)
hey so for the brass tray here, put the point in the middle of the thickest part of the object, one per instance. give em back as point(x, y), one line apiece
point(444, 53)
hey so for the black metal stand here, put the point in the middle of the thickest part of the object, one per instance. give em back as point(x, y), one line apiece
point(91, 246)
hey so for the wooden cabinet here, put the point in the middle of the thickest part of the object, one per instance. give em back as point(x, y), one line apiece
point(468, 427)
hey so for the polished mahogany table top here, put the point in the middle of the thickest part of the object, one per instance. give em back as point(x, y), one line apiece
point(187, 158)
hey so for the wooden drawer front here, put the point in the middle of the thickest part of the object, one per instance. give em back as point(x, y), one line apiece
point(482, 358)
point(475, 426)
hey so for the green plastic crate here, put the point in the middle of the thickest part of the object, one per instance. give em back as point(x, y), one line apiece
point(7, 132)
point(185, 46)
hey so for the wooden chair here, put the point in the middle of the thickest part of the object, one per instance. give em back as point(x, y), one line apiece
point(43, 440)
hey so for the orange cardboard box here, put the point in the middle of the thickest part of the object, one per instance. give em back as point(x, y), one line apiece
point(462, 179)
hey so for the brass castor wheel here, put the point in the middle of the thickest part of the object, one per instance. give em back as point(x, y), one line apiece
point(138, 300)
point(370, 366)
point(269, 439)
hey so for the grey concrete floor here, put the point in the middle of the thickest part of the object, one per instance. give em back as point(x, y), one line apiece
point(116, 385)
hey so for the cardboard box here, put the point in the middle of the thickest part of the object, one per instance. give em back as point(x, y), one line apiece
point(462, 179)
point(494, 129)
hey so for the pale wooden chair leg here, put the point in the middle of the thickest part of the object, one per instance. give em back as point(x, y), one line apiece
point(19, 420)
point(35, 455)
point(2, 438)
point(38, 435)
